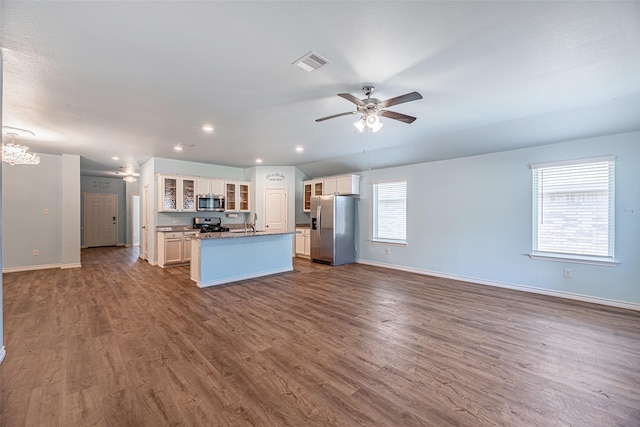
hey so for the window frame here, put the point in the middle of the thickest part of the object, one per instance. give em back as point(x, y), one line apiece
point(374, 222)
point(537, 254)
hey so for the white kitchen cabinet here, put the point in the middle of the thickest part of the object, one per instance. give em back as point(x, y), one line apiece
point(303, 242)
point(209, 186)
point(237, 196)
point(174, 248)
point(299, 241)
point(311, 188)
point(344, 185)
point(186, 245)
point(176, 194)
point(307, 242)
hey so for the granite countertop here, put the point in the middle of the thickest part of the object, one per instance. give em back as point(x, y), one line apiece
point(231, 235)
point(174, 228)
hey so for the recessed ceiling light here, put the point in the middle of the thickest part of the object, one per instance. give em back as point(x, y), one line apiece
point(115, 158)
point(178, 148)
point(299, 149)
point(207, 128)
point(258, 160)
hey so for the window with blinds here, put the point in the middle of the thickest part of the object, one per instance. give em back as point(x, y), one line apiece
point(390, 211)
point(573, 207)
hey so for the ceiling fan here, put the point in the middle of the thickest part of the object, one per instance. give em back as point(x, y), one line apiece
point(372, 108)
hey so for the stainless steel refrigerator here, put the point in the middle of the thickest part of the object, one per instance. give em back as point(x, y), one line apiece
point(333, 229)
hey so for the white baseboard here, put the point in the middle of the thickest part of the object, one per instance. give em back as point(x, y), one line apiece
point(3, 353)
point(30, 268)
point(532, 289)
point(243, 277)
point(73, 265)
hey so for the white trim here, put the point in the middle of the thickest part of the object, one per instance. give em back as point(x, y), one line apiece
point(73, 265)
point(3, 353)
point(243, 277)
point(30, 268)
point(390, 242)
point(609, 158)
point(523, 288)
point(576, 259)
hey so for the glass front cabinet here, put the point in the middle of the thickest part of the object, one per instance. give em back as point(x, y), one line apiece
point(237, 196)
point(176, 194)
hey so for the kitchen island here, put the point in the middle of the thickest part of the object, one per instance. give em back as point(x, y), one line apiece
point(226, 257)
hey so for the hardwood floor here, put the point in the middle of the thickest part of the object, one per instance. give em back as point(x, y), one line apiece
point(121, 343)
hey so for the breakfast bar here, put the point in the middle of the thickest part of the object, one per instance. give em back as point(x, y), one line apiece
point(225, 257)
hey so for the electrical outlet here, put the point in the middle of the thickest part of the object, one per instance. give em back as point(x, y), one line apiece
point(36, 252)
point(568, 273)
point(176, 221)
point(387, 251)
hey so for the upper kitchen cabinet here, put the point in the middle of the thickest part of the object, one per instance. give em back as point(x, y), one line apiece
point(176, 194)
point(344, 185)
point(237, 196)
point(311, 188)
point(210, 186)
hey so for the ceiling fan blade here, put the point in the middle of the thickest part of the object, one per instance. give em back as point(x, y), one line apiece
point(397, 116)
point(352, 98)
point(335, 115)
point(413, 96)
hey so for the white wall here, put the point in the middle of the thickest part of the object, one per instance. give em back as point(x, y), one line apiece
point(2, 351)
point(274, 177)
point(471, 218)
point(71, 229)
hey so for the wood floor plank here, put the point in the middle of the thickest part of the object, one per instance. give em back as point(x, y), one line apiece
point(119, 342)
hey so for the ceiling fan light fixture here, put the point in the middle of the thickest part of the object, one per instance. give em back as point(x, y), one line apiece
point(372, 120)
point(359, 124)
point(376, 127)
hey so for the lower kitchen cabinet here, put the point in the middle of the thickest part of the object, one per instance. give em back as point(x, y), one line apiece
point(303, 242)
point(174, 248)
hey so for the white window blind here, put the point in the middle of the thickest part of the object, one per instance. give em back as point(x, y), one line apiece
point(573, 207)
point(390, 211)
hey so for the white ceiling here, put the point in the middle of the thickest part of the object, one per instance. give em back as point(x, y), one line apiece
point(132, 79)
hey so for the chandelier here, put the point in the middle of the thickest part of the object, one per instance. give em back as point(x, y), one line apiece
point(17, 154)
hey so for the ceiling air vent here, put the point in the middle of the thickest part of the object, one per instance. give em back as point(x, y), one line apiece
point(311, 61)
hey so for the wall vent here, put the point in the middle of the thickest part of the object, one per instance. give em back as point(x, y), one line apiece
point(311, 61)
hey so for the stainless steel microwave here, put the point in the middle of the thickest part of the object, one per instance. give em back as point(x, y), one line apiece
point(210, 202)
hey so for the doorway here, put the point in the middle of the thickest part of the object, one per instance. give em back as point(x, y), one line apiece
point(275, 208)
point(144, 250)
point(101, 219)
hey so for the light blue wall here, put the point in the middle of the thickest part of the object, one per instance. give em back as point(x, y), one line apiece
point(471, 218)
point(302, 217)
point(102, 185)
point(27, 191)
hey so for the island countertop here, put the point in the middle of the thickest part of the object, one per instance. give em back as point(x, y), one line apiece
point(237, 234)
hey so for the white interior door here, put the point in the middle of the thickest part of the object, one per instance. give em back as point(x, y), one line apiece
point(101, 219)
point(275, 209)
point(135, 220)
point(145, 224)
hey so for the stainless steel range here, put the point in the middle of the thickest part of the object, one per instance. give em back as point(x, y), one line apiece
point(209, 225)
